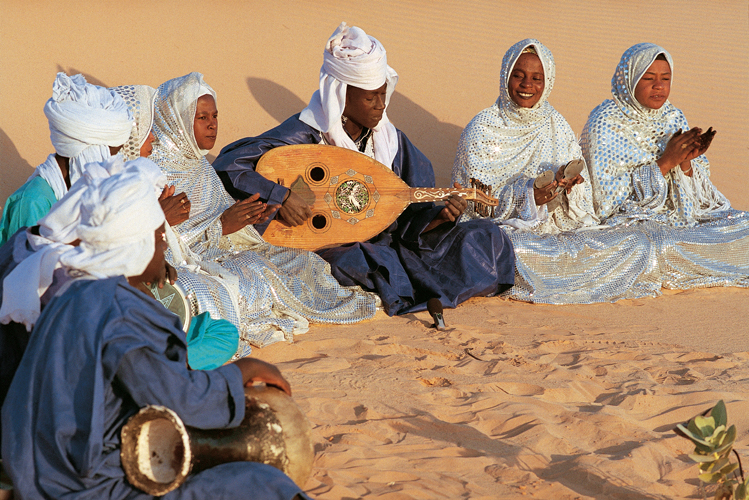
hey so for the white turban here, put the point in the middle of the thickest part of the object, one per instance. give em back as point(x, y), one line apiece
point(84, 120)
point(352, 57)
point(116, 237)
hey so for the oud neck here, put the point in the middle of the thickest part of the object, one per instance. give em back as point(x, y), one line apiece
point(420, 195)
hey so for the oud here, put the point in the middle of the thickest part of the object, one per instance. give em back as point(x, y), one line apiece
point(353, 197)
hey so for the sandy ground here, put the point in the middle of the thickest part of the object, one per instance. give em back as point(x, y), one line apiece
point(513, 400)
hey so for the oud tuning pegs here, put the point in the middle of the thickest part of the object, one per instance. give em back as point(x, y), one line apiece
point(481, 208)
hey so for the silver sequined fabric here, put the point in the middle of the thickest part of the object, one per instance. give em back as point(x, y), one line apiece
point(268, 292)
point(569, 257)
point(698, 239)
point(507, 146)
point(139, 99)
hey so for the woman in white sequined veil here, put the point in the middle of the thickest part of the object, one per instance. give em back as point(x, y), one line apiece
point(648, 170)
point(509, 144)
point(268, 292)
point(563, 255)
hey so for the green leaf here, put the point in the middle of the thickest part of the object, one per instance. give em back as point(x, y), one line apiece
point(728, 469)
point(703, 458)
point(692, 426)
point(719, 413)
point(706, 425)
point(711, 477)
point(717, 465)
point(740, 492)
point(694, 435)
point(728, 440)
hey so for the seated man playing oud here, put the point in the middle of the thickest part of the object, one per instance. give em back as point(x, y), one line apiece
point(103, 348)
point(425, 254)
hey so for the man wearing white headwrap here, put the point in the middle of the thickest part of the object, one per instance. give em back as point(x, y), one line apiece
point(405, 264)
point(102, 349)
point(87, 124)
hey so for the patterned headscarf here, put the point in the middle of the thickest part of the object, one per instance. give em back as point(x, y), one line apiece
point(139, 99)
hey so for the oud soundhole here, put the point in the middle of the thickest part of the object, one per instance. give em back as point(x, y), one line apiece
point(319, 222)
point(317, 174)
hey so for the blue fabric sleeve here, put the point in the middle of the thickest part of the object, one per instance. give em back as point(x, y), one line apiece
point(210, 399)
point(236, 163)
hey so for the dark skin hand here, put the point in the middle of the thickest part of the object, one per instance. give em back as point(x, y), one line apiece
point(254, 370)
point(245, 212)
point(454, 208)
point(684, 147)
point(176, 207)
point(546, 194)
point(294, 210)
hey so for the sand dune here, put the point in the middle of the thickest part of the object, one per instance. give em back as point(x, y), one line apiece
point(513, 400)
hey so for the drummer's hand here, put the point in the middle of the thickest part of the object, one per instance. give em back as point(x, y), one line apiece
point(243, 213)
point(294, 210)
point(171, 275)
point(255, 370)
point(176, 208)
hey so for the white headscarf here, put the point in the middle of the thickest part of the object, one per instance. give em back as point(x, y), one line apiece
point(351, 57)
point(84, 121)
point(634, 63)
point(139, 99)
point(114, 217)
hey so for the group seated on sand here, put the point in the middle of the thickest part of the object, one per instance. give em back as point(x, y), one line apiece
point(128, 199)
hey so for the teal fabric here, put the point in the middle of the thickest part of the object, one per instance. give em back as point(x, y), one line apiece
point(26, 206)
point(210, 342)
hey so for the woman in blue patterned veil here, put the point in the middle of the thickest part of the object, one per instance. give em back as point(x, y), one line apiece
point(648, 170)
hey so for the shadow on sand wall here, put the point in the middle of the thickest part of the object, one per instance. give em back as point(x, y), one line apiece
point(15, 170)
point(437, 140)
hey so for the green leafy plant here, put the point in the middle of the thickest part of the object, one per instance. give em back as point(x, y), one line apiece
point(713, 444)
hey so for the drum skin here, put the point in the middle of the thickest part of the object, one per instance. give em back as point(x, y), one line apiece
point(158, 451)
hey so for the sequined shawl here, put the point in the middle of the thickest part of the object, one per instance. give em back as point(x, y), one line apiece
point(621, 143)
point(179, 157)
point(507, 146)
point(139, 99)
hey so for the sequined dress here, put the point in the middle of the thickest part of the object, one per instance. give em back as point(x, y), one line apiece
point(268, 292)
point(698, 239)
point(563, 254)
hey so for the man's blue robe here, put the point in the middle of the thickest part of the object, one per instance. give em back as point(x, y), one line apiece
point(100, 351)
point(403, 265)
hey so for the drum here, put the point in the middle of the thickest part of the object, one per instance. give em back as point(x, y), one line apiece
point(174, 298)
point(159, 451)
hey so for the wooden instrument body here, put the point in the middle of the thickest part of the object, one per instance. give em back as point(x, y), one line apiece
point(345, 189)
point(353, 197)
